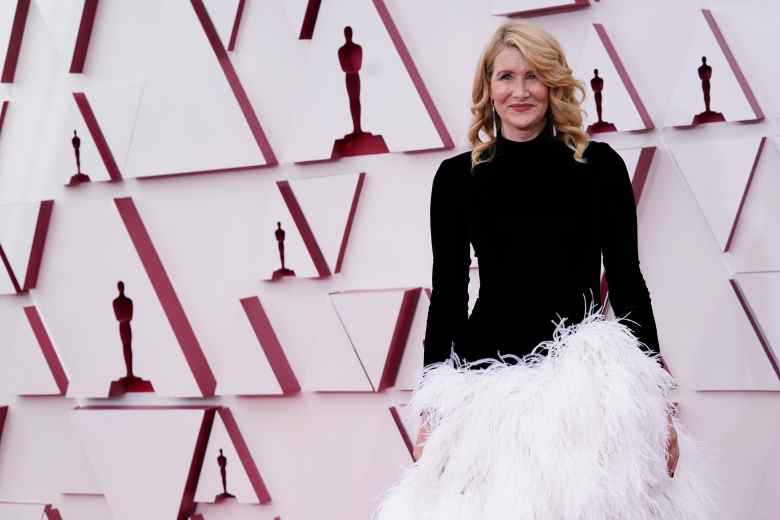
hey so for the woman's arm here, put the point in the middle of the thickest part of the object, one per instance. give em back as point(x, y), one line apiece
point(448, 310)
point(628, 293)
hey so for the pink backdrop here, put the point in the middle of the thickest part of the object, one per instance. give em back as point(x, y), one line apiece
point(203, 123)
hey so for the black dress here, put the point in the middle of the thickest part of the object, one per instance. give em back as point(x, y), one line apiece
point(539, 222)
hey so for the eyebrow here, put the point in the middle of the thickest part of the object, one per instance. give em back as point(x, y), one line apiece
point(510, 70)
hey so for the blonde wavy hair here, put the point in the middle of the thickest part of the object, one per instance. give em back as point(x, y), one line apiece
point(545, 55)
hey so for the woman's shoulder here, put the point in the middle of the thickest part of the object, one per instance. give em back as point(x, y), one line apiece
point(600, 150)
point(609, 165)
point(454, 170)
point(458, 162)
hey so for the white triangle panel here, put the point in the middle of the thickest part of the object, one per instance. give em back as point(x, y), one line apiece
point(182, 105)
point(369, 318)
point(210, 481)
point(141, 457)
point(617, 106)
point(326, 202)
point(687, 97)
point(718, 172)
point(17, 231)
point(403, 124)
point(296, 256)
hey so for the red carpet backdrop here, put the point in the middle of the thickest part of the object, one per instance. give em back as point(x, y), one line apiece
point(215, 255)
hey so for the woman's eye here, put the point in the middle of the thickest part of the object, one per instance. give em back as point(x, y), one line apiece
point(531, 75)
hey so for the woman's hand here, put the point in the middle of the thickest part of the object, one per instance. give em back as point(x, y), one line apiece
point(422, 434)
point(672, 449)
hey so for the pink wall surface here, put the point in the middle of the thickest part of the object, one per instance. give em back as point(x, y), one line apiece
point(204, 123)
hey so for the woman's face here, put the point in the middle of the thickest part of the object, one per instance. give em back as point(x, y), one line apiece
point(519, 95)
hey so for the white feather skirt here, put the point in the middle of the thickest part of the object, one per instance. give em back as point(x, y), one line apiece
point(577, 434)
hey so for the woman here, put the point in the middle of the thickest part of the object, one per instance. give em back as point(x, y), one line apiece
point(549, 420)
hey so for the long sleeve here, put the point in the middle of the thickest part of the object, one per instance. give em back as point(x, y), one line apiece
point(628, 293)
point(448, 310)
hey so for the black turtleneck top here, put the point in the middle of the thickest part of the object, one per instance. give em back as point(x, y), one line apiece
point(540, 223)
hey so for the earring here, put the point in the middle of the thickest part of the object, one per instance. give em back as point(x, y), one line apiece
point(552, 124)
point(495, 118)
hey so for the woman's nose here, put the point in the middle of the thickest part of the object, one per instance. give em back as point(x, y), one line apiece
point(520, 90)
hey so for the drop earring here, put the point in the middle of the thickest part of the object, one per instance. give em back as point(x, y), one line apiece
point(495, 118)
point(552, 124)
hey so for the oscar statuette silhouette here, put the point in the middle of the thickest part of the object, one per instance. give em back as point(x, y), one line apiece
point(282, 271)
point(222, 462)
point(597, 85)
point(78, 177)
point(708, 116)
point(358, 142)
point(123, 312)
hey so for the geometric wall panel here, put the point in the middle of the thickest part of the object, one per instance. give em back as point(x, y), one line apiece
point(23, 230)
point(316, 339)
point(338, 464)
point(86, 21)
point(754, 245)
point(737, 356)
point(301, 16)
point(242, 477)
point(89, 251)
point(147, 460)
point(3, 414)
point(13, 18)
point(407, 426)
point(329, 204)
point(166, 294)
point(225, 16)
point(378, 324)
point(287, 382)
point(535, 7)
point(23, 511)
point(182, 105)
point(729, 92)
point(289, 246)
point(621, 104)
point(47, 348)
point(62, 22)
point(719, 173)
point(85, 507)
point(231, 75)
point(386, 71)
point(761, 295)
point(99, 141)
point(24, 147)
point(84, 128)
point(6, 283)
point(40, 452)
point(308, 221)
point(107, 115)
point(51, 512)
point(637, 161)
point(207, 242)
point(30, 364)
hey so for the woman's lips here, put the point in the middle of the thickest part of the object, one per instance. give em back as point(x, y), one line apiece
point(521, 108)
